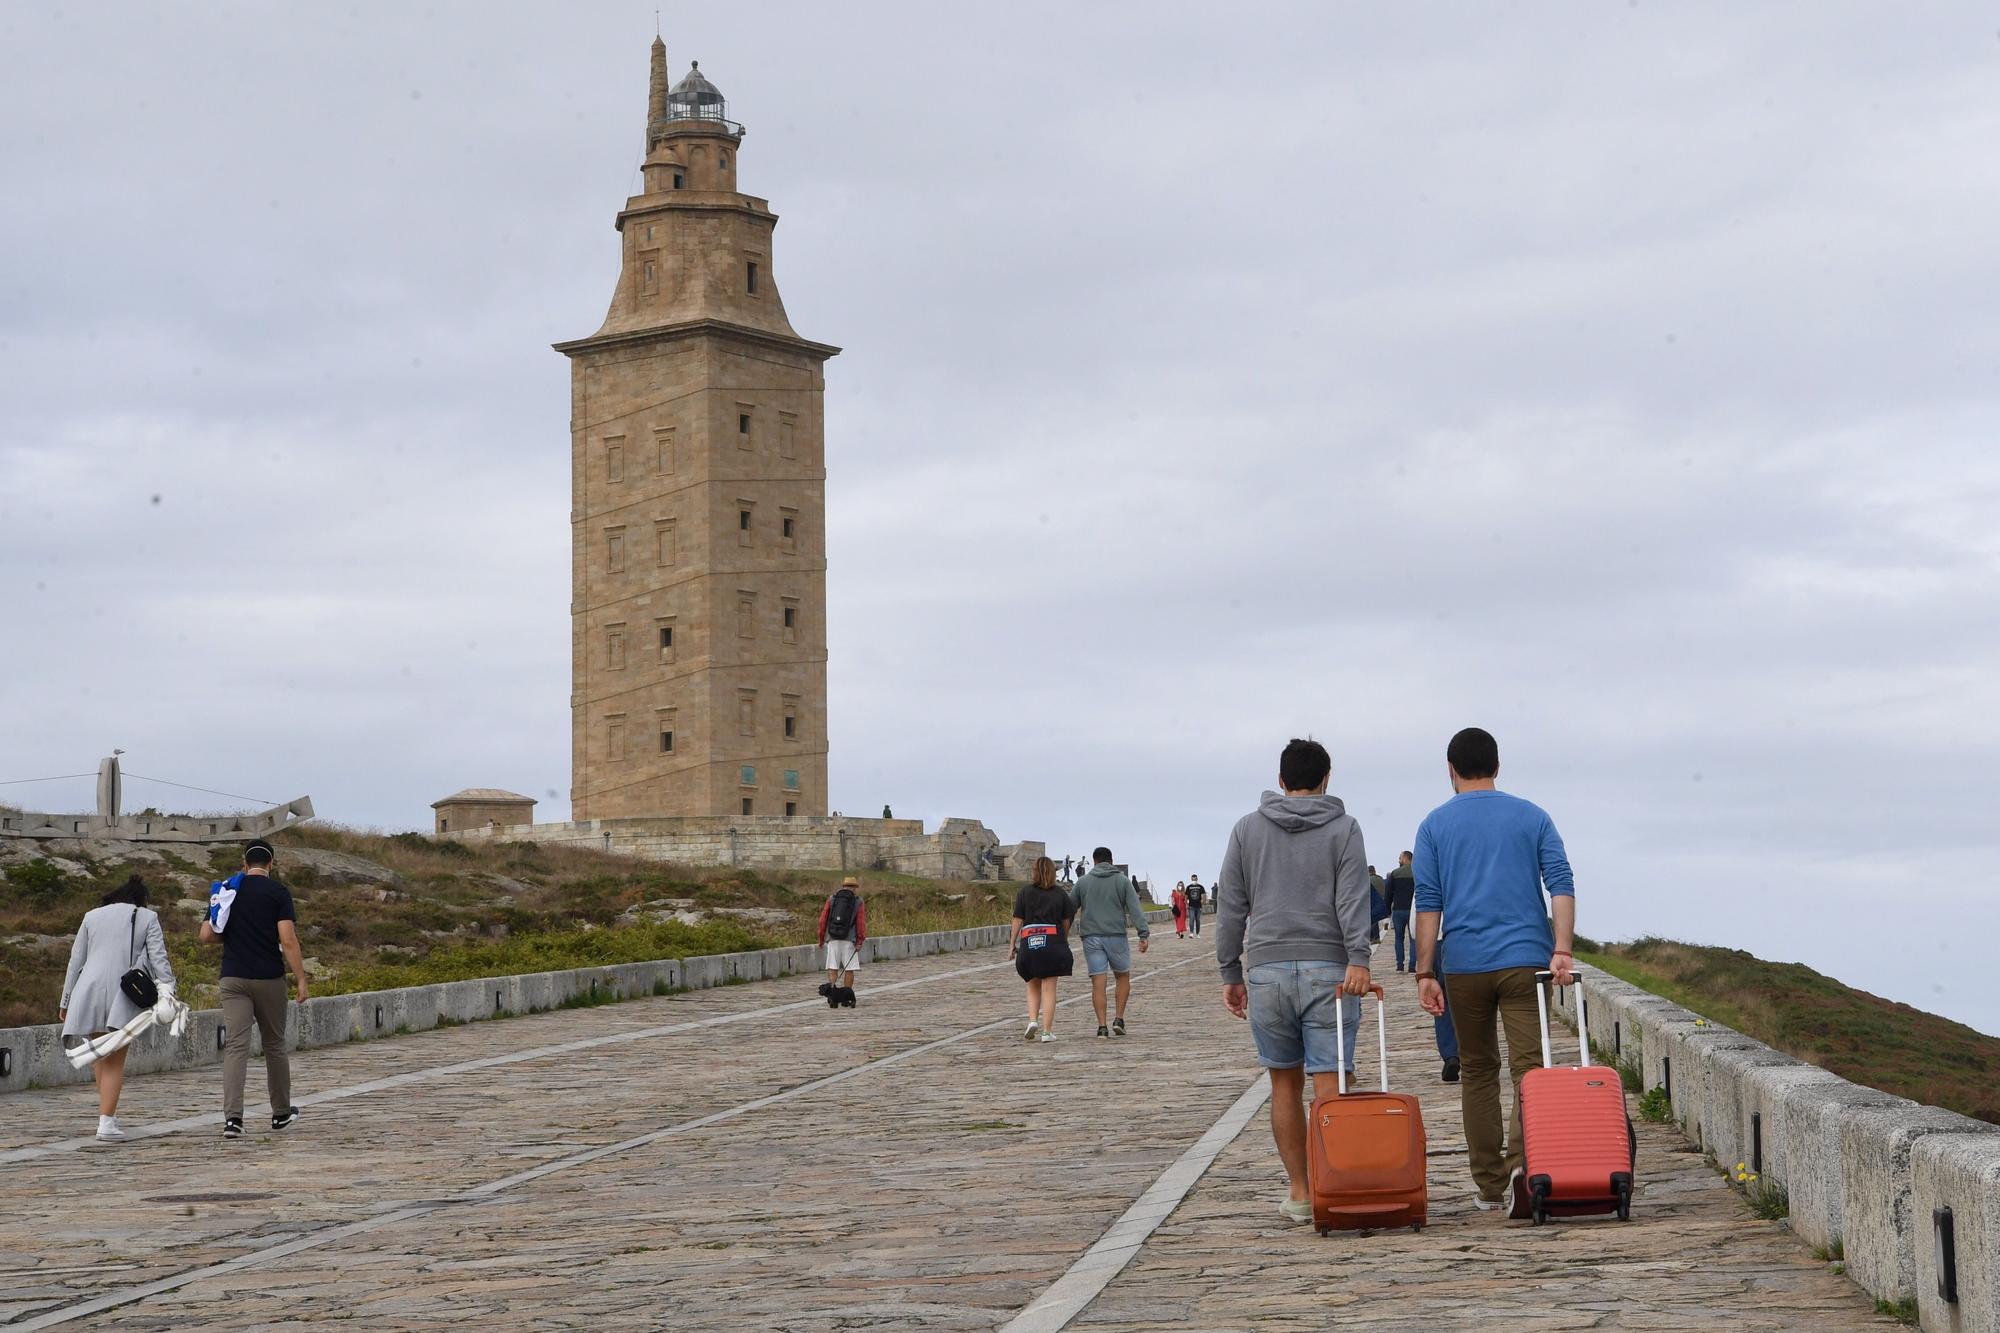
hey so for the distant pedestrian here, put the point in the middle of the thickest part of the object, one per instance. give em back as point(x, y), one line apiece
point(1197, 897)
point(1039, 946)
point(1065, 870)
point(887, 813)
point(1402, 891)
point(1483, 861)
point(252, 916)
point(1378, 905)
point(1105, 901)
point(1180, 904)
point(843, 926)
point(111, 940)
point(1291, 941)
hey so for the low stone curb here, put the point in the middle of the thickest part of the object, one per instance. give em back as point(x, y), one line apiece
point(1867, 1175)
point(32, 1057)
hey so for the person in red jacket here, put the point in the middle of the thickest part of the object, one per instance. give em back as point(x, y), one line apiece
point(843, 925)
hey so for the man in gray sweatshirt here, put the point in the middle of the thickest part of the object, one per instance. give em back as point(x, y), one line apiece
point(1292, 911)
point(1105, 900)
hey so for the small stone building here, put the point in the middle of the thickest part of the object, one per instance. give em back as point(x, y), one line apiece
point(477, 807)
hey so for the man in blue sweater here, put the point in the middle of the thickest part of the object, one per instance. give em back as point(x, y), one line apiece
point(1483, 861)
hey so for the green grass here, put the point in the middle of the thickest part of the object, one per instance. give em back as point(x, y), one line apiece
point(551, 951)
point(1903, 1311)
point(1861, 1037)
point(1656, 1107)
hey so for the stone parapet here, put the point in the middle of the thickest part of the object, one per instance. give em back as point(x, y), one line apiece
point(1865, 1173)
point(960, 849)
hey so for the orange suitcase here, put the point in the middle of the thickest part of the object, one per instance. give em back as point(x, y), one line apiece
point(1366, 1151)
point(1577, 1143)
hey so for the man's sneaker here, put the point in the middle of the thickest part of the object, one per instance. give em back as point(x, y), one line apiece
point(1034, 1031)
point(1488, 1205)
point(108, 1131)
point(1450, 1074)
point(282, 1119)
point(1297, 1210)
point(1117, 1027)
point(232, 1127)
point(1103, 1031)
point(1046, 1036)
point(1523, 1206)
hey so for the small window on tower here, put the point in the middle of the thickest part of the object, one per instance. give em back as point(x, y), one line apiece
point(791, 527)
point(743, 519)
point(722, 159)
point(746, 805)
point(749, 775)
point(791, 724)
point(666, 742)
point(614, 461)
point(742, 423)
point(614, 550)
point(791, 808)
point(666, 638)
point(614, 648)
point(750, 276)
point(679, 180)
point(792, 779)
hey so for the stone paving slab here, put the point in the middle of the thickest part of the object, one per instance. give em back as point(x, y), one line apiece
point(944, 1191)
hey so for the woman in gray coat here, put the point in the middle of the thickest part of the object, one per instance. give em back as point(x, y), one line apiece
point(111, 941)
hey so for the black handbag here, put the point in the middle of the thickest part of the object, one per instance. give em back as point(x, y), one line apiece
point(138, 984)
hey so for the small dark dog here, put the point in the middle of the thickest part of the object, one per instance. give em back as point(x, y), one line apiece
point(826, 992)
point(842, 997)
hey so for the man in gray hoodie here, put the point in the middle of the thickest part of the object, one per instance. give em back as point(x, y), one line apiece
point(1105, 900)
point(1292, 907)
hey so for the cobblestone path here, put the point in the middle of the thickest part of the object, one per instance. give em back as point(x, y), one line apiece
point(744, 1162)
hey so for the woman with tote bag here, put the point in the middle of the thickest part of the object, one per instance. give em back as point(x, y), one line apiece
point(116, 940)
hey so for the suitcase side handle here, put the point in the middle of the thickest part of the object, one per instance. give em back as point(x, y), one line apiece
point(1381, 1036)
point(1542, 979)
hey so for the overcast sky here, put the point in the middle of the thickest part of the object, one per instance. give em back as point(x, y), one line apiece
point(1623, 379)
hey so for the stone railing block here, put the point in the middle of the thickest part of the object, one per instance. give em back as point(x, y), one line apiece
point(1761, 1088)
point(1962, 1173)
point(1810, 1115)
point(1877, 1223)
point(1726, 1103)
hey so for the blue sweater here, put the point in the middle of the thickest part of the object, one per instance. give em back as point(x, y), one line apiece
point(1483, 858)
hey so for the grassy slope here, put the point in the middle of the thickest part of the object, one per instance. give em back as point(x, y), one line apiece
point(455, 911)
point(1863, 1038)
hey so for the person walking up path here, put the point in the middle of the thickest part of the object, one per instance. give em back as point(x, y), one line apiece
point(1197, 897)
point(1105, 903)
point(1039, 946)
point(1180, 903)
point(1292, 934)
point(1483, 860)
point(843, 926)
point(254, 920)
point(1402, 893)
point(111, 939)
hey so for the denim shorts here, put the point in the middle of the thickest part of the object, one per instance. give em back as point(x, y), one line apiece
point(1293, 1008)
point(1107, 953)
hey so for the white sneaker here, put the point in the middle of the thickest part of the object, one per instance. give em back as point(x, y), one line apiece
point(1488, 1205)
point(108, 1131)
point(1034, 1031)
point(1047, 1036)
point(1297, 1210)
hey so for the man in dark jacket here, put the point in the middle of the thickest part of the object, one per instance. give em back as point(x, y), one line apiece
point(1402, 892)
point(259, 939)
point(1291, 941)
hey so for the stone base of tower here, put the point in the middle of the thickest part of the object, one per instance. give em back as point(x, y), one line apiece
point(962, 849)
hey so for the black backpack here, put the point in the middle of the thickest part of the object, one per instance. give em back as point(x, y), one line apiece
point(840, 915)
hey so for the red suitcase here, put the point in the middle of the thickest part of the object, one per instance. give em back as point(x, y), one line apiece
point(1365, 1151)
point(1577, 1140)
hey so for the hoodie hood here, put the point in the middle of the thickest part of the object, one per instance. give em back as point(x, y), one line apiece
point(1106, 869)
point(1296, 814)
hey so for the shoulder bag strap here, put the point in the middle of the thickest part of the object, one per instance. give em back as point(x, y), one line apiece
point(132, 936)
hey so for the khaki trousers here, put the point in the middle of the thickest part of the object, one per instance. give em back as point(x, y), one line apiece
point(260, 1003)
point(1477, 999)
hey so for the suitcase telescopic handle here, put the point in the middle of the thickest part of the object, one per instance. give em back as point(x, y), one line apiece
point(1381, 1036)
point(1542, 979)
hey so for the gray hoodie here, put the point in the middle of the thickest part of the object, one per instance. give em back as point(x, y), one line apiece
point(1293, 887)
point(1105, 900)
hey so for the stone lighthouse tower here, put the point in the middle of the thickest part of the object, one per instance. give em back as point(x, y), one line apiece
point(698, 500)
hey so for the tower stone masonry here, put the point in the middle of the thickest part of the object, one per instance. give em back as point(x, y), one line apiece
point(698, 501)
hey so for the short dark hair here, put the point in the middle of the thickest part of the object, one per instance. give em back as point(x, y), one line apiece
point(258, 853)
point(1473, 753)
point(1303, 765)
point(132, 891)
point(1102, 856)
